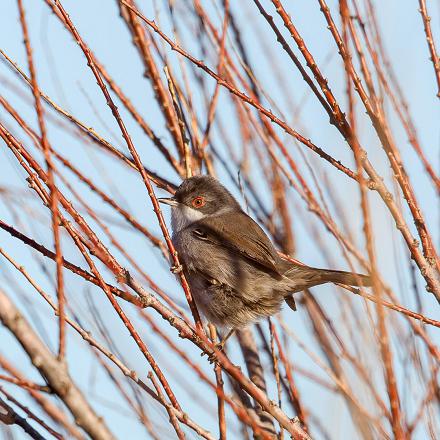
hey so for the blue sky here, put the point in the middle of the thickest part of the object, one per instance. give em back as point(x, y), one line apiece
point(64, 76)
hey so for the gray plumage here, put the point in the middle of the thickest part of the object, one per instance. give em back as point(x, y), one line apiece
point(235, 274)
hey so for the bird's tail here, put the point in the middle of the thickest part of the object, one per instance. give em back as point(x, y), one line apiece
point(322, 276)
point(304, 277)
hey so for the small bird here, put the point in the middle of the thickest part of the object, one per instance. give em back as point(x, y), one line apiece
point(234, 271)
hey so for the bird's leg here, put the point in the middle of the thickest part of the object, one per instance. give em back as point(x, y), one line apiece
point(222, 342)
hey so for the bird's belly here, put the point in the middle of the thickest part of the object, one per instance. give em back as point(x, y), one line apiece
point(228, 289)
point(228, 308)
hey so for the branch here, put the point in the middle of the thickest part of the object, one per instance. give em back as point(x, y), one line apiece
point(9, 417)
point(54, 371)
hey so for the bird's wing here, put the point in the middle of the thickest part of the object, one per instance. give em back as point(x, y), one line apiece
point(242, 235)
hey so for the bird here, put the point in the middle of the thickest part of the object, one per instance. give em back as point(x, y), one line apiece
point(234, 271)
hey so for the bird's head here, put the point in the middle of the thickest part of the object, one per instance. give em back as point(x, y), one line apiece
point(199, 197)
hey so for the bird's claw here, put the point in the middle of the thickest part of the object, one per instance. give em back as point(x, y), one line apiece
point(212, 357)
point(176, 269)
point(220, 345)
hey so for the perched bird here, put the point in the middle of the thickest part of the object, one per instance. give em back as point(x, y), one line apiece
point(234, 271)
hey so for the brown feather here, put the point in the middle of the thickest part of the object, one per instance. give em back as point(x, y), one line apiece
point(242, 235)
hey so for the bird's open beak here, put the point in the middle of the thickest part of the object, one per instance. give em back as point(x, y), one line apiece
point(168, 201)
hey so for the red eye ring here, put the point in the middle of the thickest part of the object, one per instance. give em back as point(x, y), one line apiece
point(198, 202)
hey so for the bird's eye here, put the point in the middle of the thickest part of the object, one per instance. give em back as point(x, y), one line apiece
point(198, 202)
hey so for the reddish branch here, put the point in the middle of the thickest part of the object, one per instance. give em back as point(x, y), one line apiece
point(106, 256)
point(128, 324)
point(186, 155)
point(431, 44)
point(53, 193)
point(173, 418)
point(126, 101)
point(245, 97)
point(142, 42)
point(25, 383)
point(376, 115)
point(54, 371)
point(377, 182)
point(383, 130)
point(72, 267)
point(55, 413)
point(9, 417)
point(86, 335)
point(31, 415)
point(89, 132)
point(206, 346)
point(279, 170)
point(137, 160)
point(384, 340)
point(220, 383)
point(341, 123)
point(399, 104)
point(300, 411)
point(128, 217)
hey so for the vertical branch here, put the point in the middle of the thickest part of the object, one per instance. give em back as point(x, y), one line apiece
point(362, 423)
point(179, 116)
point(430, 41)
point(142, 43)
point(256, 373)
point(220, 390)
point(173, 419)
point(302, 415)
point(276, 370)
point(221, 60)
point(53, 194)
point(384, 342)
point(345, 16)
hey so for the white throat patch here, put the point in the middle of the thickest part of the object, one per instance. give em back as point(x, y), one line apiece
point(182, 216)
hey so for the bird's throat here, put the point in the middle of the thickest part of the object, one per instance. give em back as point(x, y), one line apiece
point(183, 216)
